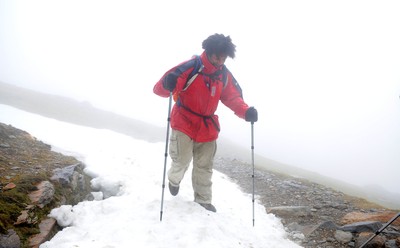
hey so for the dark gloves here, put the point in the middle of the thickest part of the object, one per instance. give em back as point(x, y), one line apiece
point(251, 115)
point(170, 81)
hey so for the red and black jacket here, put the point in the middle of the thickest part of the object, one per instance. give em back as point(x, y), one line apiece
point(193, 112)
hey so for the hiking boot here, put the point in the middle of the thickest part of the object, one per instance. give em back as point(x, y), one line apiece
point(174, 190)
point(209, 207)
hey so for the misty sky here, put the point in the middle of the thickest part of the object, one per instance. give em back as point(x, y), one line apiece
point(324, 75)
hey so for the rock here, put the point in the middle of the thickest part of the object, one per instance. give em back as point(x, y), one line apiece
point(376, 216)
point(328, 225)
point(4, 145)
point(366, 226)
point(47, 228)
point(284, 211)
point(43, 195)
point(64, 175)
point(23, 218)
point(343, 237)
point(28, 216)
point(291, 183)
point(295, 227)
point(10, 240)
point(9, 186)
point(297, 236)
point(324, 227)
point(76, 184)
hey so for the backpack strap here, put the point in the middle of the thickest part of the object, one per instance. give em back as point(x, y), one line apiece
point(224, 76)
point(197, 68)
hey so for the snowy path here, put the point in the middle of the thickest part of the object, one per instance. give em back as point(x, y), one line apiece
point(126, 212)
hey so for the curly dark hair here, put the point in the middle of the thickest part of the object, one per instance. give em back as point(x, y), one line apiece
point(219, 44)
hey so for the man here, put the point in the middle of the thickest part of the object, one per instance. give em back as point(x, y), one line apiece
point(197, 86)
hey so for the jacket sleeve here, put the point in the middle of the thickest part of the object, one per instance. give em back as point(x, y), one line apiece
point(183, 70)
point(159, 89)
point(232, 97)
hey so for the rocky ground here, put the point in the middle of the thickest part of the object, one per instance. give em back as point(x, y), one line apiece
point(34, 179)
point(315, 215)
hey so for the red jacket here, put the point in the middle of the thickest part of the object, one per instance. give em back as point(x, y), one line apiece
point(193, 113)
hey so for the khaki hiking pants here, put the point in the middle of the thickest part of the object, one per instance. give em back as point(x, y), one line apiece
point(182, 149)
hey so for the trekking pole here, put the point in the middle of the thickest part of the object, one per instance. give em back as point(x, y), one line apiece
point(380, 230)
point(165, 155)
point(252, 161)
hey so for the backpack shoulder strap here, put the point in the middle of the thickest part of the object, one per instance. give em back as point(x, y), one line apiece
point(197, 68)
point(224, 76)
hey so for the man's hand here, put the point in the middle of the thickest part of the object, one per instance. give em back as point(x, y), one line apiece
point(251, 115)
point(170, 81)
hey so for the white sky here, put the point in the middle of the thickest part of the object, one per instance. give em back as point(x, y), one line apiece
point(324, 75)
point(131, 175)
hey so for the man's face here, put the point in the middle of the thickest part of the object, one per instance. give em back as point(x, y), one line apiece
point(217, 60)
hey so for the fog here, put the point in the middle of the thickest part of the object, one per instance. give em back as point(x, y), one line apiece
point(324, 75)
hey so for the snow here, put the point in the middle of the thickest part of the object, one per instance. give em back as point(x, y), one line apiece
point(127, 188)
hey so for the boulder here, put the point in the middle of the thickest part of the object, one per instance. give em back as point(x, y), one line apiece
point(10, 240)
point(43, 195)
point(359, 227)
point(384, 216)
